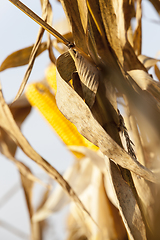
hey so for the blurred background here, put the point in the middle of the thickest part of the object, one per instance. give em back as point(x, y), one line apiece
point(19, 31)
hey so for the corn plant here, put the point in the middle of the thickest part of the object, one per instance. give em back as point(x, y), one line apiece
point(100, 99)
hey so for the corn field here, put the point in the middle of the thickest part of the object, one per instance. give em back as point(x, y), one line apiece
point(102, 101)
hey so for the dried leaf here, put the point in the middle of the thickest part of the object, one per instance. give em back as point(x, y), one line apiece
point(21, 57)
point(12, 146)
point(147, 61)
point(76, 11)
point(89, 76)
point(91, 41)
point(79, 114)
point(77, 84)
point(47, 10)
point(145, 189)
point(7, 122)
point(137, 38)
point(95, 31)
point(95, 198)
point(156, 4)
point(128, 206)
point(31, 63)
point(110, 24)
point(20, 110)
point(157, 72)
point(65, 66)
point(146, 82)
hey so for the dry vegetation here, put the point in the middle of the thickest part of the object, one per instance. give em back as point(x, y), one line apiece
point(99, 75)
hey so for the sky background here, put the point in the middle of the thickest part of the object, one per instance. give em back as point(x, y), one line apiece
point(19, 31)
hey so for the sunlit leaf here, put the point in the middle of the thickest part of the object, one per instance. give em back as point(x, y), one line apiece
point(78, 113)
point(21, 57)
point(147, 61)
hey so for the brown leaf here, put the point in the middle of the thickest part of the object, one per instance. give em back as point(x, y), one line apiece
point(91, 41)
point(31, 63)
point(65, 66)
point(137, 38)
point(127, 204)
point(95, 29)
point(21, 57)
point(8, 124)
point(111, 28)
point(157, 72)
point(156, 4)
point(89, 76)
point(79, 114)
point(12, 146)
point(77, 84)
point(76, 11)
point(47, 10)
point(20, 110)
point(116, 17)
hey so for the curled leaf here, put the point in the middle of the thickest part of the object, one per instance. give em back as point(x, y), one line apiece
point(80, 115)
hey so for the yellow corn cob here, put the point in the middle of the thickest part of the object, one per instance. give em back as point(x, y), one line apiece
point(51, 77)
point(40, 97)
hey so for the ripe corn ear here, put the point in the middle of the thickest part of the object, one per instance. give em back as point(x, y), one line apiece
point(39, 96)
